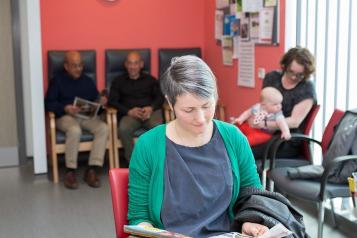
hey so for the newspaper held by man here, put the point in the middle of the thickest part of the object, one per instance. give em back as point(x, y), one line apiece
point(87, 109)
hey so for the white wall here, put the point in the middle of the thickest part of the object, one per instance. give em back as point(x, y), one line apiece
point(31, 54)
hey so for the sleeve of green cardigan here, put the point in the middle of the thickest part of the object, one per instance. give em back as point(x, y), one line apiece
point(247, 167)
point(139, 180)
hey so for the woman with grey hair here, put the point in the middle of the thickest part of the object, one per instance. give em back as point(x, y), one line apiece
point(185, 176)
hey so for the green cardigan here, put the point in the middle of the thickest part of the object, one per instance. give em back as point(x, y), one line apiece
point(146, 171)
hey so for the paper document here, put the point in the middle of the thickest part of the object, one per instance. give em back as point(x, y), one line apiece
point(277, 231)
point(148, 231)
point(87, 109)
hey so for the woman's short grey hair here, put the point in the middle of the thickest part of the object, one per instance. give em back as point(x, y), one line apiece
point(188, 74)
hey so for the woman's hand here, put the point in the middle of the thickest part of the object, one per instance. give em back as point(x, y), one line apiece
point(253, 229)
point(144, 223)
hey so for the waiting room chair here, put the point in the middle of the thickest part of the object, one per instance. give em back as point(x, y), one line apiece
point(165, 56)
point(114, 67)
point(313, 190)
point(118, 179)
point(55, 138)
point(307, 124)
point(115, 59)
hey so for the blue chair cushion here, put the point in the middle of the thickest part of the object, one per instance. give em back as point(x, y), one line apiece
point(61, 137)
point(305, 189)
point(283, 163)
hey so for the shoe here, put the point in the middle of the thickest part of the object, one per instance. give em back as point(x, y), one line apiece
point(70, 180)
point(91, 178)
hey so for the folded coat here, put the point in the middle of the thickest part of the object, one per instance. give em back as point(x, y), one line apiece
point(267, 208)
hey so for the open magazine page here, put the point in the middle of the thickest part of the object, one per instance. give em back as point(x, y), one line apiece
point(277, 231)
point(231, 235)
point(88, 109)
point(148, 231)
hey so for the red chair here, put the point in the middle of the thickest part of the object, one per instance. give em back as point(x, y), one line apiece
point(118, 179)
point(309, 121)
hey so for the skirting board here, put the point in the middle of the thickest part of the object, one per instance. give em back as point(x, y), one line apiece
point(9, 156)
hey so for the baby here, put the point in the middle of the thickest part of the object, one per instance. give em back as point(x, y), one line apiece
point(269, 109)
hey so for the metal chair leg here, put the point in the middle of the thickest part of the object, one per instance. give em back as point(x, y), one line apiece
point(333, 213)
point(271, 185)
point(321, 216)
point(264, 178)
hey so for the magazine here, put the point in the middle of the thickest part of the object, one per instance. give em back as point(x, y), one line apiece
point(148, 231)
point(276, 231)
point(87, 109)
point(231, 235)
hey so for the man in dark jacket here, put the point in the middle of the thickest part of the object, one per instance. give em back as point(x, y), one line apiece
point(63, 89)
point(138, 99)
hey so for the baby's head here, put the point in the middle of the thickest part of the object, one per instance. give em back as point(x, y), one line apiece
point(271, 99)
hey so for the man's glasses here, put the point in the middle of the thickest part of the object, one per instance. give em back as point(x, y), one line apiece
point(292, 74)
point(74, 66)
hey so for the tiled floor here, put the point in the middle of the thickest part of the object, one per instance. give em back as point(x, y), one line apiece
point(32, 206)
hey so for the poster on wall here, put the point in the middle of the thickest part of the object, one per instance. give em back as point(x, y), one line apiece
point(219, 15)
point(254, 26)
point(244, 27)
point(235, 33)
point(270, 3)
point(236, 41)
point(227, 50)
point(220, 4)
point(252, 5)
point(266, 18)
point(228, 22)
point(246, 64)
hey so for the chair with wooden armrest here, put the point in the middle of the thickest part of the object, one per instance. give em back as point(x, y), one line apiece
point(55, 138)
point(114, 67)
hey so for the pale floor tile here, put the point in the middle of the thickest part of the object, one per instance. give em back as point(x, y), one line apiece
point(33, 207)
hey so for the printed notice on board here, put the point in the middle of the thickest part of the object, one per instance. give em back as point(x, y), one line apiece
point(252, 5)
point(246, 64)
point(227, 50)
point(219, 15)
point(266, 18)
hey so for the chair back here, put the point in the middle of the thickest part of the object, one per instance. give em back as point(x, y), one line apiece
point(165, 56)
point(115, 60)
point(118, 179)
point(330, 129)
point(55, 61)
point(308, 122)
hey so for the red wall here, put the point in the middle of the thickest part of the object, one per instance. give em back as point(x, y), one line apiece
point(95, 24)
point(236, 99)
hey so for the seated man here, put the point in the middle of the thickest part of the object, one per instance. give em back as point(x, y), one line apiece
point(63, 89)
point(138, 99)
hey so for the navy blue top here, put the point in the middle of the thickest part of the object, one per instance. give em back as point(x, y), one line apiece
point(197, 188)
point(63, 89)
